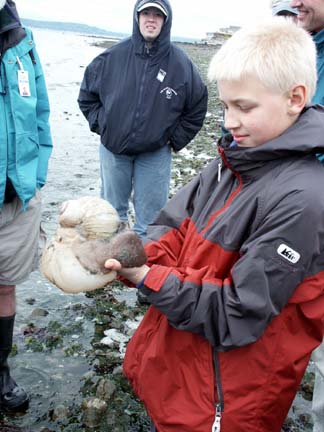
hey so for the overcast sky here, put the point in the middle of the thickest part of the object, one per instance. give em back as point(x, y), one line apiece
point(191, 18)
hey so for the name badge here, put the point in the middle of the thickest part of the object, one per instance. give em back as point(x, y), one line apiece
point(161, 75)
point(23, 83)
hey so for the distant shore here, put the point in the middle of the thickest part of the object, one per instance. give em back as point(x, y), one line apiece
point(89, 30)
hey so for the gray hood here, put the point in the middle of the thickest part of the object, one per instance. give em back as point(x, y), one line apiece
point(161, 45)
point(9, 18)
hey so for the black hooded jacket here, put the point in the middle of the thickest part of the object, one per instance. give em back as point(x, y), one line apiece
point(139, 100)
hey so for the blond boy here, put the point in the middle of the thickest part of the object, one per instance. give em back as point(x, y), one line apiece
point(235, 265)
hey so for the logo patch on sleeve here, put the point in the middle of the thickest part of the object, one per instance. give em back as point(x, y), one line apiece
point(288, 253)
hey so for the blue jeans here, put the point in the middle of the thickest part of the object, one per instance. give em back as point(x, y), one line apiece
point(147, 174)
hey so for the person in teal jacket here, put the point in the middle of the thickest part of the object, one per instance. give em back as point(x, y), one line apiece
point(25, 148)
point(311, 18)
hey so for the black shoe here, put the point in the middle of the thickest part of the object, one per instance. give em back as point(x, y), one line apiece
point(16, 400)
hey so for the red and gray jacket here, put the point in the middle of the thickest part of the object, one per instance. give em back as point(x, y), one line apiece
point(237, 288)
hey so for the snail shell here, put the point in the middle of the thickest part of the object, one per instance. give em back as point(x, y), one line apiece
point(88, 235)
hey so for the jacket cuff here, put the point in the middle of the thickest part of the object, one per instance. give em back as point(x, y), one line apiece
point(156, 277)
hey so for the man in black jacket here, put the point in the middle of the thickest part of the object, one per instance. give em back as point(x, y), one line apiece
point(144, 97)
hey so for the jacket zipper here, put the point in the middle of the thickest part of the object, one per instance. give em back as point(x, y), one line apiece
point(216, 427)
point(142, 88)
point(2, 77)
point(219, 406)
point(4, 125)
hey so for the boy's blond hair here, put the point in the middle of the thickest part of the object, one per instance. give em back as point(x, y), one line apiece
point(277, 52)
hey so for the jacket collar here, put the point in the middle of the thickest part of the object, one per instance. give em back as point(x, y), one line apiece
point(318, 37)
point(12, 38)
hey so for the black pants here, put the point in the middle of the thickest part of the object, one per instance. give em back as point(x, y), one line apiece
point(153, 428)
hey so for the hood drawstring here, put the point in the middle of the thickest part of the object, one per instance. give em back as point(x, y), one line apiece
point(219, 173)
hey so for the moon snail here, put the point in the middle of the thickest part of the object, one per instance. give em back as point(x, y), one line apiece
point(89, 233)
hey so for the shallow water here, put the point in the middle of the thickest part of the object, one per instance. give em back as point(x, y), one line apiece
point(50, 377)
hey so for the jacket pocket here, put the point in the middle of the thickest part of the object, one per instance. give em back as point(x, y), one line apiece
point(27, 149)
point(102, 121)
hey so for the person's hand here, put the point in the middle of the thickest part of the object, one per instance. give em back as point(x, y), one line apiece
point(125, 247)
point(133, 274)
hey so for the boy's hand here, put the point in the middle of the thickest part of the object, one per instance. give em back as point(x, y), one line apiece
point(134, 274)
point(125, 247)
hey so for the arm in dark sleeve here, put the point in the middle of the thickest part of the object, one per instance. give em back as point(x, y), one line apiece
point(192, 118)
point(89, 99)
point(236, 310)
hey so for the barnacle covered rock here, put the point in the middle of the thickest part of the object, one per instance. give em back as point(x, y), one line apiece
point(88, 235)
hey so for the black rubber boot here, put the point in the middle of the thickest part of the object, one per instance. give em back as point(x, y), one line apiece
point(13, 398)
